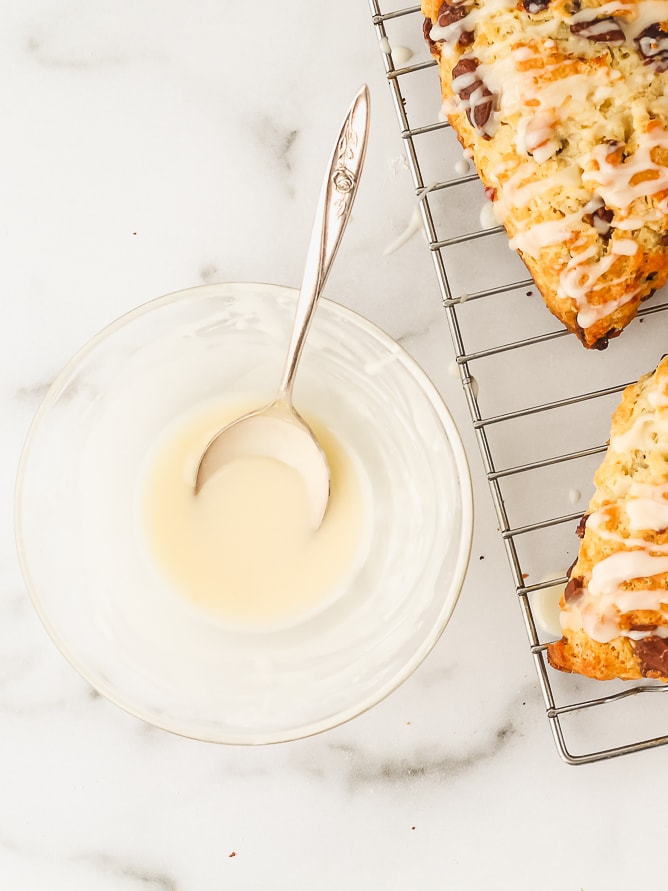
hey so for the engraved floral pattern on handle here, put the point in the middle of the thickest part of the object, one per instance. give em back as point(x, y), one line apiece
point(343, 178)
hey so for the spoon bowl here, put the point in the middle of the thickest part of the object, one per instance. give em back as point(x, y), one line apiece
point(277, 430)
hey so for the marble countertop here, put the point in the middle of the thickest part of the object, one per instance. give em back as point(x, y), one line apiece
point(149, 147)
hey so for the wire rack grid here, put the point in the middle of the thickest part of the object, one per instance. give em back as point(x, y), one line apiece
point(539, 402)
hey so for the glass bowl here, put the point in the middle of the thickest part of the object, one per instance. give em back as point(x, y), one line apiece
point(84, 555)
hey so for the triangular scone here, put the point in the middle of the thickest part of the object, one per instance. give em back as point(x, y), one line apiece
point(563, 105)
point(614, 612)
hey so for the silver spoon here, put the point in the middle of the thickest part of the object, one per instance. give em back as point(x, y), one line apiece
point(277, 430)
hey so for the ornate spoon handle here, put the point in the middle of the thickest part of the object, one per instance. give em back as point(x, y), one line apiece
point(332, 214)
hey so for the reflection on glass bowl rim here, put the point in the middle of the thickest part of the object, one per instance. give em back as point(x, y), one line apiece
point(115, 618)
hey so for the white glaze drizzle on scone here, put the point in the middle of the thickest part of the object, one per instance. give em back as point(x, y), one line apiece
point(564, 105)
point(615, 606)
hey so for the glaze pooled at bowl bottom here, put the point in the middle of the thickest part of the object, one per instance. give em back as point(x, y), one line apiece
point(244, 547)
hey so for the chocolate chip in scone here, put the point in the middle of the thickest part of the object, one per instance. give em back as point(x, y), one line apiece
point(480, 113)
point(471, 90)
point(574, 588)
point(602, 342)
point(652, 653)
point(466, 65)
point(533, 7)
point(427, 25)
point(450, 13)
point(601, 220)
point(603, 30)
point(652, 45)
point(580, 531)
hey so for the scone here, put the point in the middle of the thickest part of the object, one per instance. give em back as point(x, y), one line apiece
point(563, 106)
point(614, 613)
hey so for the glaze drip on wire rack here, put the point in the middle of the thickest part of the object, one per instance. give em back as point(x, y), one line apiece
point(540, 403)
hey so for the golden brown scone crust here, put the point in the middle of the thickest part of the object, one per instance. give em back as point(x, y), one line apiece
point(562, 105)
point(615, 606)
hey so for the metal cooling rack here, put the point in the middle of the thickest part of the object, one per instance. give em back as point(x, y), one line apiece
point(540, 403)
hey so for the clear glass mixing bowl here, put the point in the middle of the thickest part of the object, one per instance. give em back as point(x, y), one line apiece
point(85, 559)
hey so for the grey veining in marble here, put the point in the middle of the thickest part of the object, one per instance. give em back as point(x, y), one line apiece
point(149, 147)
